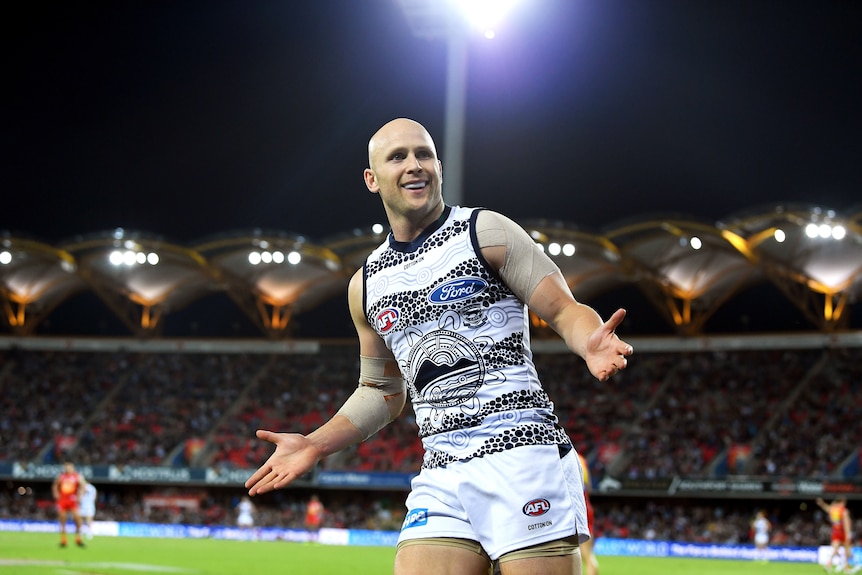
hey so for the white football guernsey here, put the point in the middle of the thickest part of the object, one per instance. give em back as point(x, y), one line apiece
point(461, 339)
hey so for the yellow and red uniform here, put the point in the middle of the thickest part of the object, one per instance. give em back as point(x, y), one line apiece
point(586, 473)
point(314, 514)
point(836, 516)
point(68, 486)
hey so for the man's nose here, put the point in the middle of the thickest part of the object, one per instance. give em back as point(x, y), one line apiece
point(414, 164)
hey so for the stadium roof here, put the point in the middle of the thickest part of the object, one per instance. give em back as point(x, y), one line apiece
point(686, 268)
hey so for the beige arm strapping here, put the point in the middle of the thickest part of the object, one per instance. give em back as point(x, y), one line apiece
point(367, 408)
point(533, 265)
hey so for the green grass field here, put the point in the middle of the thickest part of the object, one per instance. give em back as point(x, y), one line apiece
point(39, 554)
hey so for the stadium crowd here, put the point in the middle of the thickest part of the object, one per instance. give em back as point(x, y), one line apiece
point(772, 413)
point(693, 521)
point(711, 413)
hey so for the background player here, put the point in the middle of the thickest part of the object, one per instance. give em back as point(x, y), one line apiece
point(87, 508)
point(591, 563)
point(762, 527)
point(245, 514)
point(839, 517)
point(313, 517)
point(67, 488)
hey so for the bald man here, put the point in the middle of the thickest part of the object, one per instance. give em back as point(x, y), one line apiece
point(440, 309)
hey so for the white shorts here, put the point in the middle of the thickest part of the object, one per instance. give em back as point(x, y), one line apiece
point(505, 501)
point(761, 539)
point(86, 511)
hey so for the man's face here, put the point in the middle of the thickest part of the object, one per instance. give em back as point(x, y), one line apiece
point(404, 168)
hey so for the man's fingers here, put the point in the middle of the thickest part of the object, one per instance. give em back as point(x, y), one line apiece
point(266, 435)
point(616, 319)
point(267, 479)
point(257, 476)
point(262, 485)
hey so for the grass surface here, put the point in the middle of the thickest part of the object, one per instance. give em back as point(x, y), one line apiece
point(39, 554)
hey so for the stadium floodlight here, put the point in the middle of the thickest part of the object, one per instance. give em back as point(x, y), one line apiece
point(484, 15)
point(451, 20)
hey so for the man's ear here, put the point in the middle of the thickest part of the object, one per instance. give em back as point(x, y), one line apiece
point(371, 181)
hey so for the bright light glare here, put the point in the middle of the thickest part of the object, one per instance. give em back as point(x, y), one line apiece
point(5, 257)
point(377, 228)
point(554, 249)
point(278, 257)
point(294, 258)
point(569, 250)
point(825, 231)
point(129, 257)
point(485, 14)
point(696, 243)
point(116, 258)
point(779, 235)
point(254, 258)
point(266, 257)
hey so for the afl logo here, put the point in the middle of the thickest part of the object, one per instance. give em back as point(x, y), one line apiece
point(387, 319)
point(536, 507)
point(457, 290)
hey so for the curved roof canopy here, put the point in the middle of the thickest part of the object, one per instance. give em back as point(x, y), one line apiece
point(687, 268)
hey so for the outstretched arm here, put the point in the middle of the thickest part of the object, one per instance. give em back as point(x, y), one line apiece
point(538, 282)
point(581, 327)
point(368, 409)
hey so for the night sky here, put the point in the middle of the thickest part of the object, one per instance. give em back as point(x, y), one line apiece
point(188, 119)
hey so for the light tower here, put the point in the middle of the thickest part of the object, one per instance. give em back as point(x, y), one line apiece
point(454, 21)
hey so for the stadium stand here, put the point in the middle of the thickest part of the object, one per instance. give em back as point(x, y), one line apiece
point(777, 408)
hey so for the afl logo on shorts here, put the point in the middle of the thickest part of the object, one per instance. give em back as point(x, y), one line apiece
point(387, 319)
point(457, 290)
point(536, 507)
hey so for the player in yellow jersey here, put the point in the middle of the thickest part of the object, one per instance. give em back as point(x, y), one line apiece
point(839, 517)
point(591, 564)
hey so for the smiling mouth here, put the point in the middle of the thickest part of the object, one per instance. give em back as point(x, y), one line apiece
point(415, 185)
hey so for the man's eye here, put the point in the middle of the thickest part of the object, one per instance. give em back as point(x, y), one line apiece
point(398, 156)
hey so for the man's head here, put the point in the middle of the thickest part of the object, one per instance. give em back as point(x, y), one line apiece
point(404, 169)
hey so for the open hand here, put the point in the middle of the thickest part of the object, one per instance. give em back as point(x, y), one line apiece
point(294, 456)
point(606, 353)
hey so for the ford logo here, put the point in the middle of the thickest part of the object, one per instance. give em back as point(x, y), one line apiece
point(457, 290)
